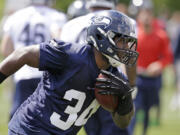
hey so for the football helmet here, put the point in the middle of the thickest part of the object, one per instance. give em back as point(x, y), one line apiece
point(100, 3)
point(76, 9)
point(109, 27)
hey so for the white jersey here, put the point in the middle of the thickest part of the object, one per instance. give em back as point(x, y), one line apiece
point(32, 25)
point(75, 30)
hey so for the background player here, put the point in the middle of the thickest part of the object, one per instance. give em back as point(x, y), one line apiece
point(101, 123)
point(34, 24)
point(155, 55)
point(62, 103)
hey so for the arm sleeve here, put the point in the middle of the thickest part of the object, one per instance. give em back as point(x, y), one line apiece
point(52, 56)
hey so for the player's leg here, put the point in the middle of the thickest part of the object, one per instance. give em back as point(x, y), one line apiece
point(175, 101)
point(147, 95)
point(92, 125)
point(138, 102)
point(146, 122)
point(158, 101)
point(107, 126)
point(106, 122)
point(150, 98)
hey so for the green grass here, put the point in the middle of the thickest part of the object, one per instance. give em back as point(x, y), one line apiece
point(4, 108)
point(170, 121)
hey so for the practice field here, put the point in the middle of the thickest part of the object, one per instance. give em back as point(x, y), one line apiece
point(169, 121)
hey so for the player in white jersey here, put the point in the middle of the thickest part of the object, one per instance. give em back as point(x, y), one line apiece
point(32, 25)
point(75, 31)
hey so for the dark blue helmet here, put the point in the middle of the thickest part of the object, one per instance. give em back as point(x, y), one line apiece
point(109, 25)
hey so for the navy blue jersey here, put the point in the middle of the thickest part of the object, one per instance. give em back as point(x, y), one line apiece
point(62, 103)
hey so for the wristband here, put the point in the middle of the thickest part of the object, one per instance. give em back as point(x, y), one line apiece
point(2, 77)
point(125, 105)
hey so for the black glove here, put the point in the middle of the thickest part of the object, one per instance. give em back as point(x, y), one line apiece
point(113, 85)
point(116, 85)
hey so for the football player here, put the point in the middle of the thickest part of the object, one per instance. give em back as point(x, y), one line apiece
point(76, 31)
point(32, 25)
point(156, 55)
point(77, 8)
point(63, 102)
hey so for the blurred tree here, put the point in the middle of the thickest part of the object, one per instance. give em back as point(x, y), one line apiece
point(123, 1)
point(171, 5)
point(159, 5)
point(62, 4)
point(1, 7)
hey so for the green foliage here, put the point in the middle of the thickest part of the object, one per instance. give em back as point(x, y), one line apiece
point(123, 1)
point(1, 7)
point(173, 4)
point(170, 5)
point(63, 4)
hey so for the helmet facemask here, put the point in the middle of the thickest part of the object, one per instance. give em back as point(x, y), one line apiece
point(125, 53)
point(126, 50)
point(113, 34)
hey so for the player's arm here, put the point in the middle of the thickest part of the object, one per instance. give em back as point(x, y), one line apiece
point(6, 45)
point(17, 59)
point(117, 86)
point(131, 74)
point(123, 121)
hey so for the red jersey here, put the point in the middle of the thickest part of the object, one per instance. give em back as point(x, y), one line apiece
point(152, 47)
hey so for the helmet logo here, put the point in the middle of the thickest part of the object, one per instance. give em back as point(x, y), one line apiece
point(101, 20)
point(110, 50)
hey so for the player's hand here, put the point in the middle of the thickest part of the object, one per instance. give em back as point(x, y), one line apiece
point(154, 69)
point(113, 85)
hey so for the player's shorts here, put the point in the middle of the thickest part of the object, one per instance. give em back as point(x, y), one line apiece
point(148, 92)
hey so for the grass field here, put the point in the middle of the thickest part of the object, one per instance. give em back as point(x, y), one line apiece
point(170, 121)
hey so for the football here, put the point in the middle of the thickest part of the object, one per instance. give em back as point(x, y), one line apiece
point(108, 102)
